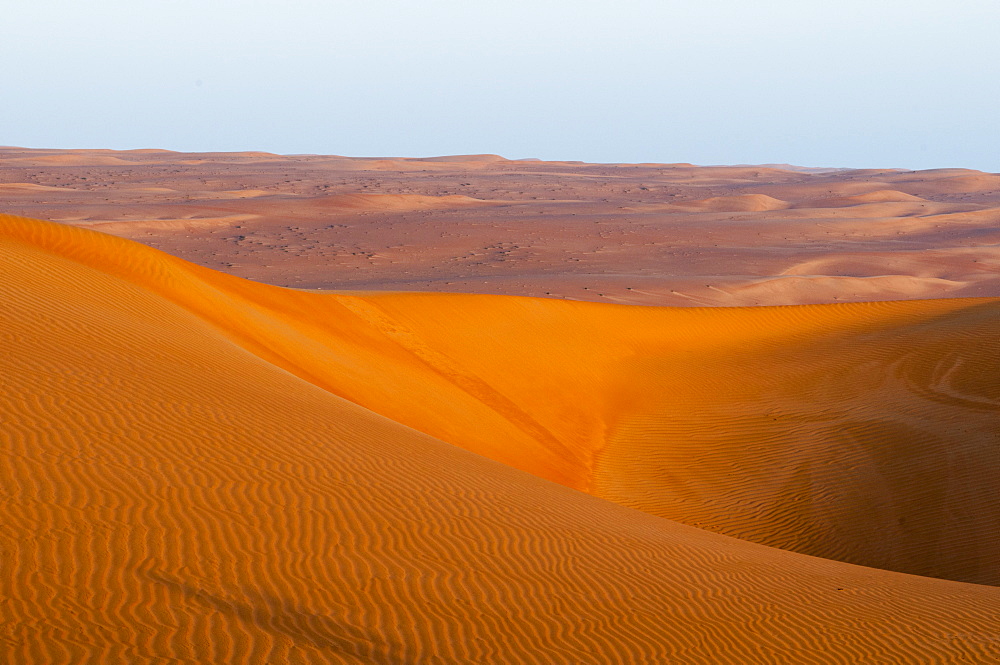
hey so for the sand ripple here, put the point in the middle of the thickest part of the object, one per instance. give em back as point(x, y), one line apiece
point(201, 469)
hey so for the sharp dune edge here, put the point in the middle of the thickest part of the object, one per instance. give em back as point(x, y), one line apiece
point(205, 469)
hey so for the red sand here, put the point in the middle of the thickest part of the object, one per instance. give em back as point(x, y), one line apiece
point(651, 234)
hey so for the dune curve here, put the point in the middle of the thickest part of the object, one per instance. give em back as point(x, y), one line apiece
point(193, 474)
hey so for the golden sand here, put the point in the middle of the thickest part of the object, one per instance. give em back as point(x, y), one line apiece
point(204, 469)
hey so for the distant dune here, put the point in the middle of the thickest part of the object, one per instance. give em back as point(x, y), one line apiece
point(743, 203)
point(670, 234)
point(201, 468)
point(398, 201)
point(463, 158)
point(974, 182)
point(73, 160)
point(15, 188)
point(877, 196)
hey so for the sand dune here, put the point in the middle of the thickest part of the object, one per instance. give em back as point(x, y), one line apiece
point(153, 190)
point(234, 194)
point(941, 263)
point(72, 160)
point(205, 469)
point(462, 158)
point(742, 203)
point(189, 224)
point(877, 196)
point(786, 443)
point(806, 287)
point(14, 188)
point(397, 201)
point(978, 182)
point(649, 234)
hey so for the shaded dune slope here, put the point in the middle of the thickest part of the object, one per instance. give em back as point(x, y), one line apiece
point(876, 442)
point(191, 472)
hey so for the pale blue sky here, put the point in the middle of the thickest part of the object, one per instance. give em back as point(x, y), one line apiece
point(863, 83)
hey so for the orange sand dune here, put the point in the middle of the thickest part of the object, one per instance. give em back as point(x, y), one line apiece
point(187, 477)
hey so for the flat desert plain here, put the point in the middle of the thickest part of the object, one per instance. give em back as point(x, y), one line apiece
point(298, 409)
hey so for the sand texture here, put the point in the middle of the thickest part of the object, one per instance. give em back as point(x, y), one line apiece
point(199, 468)
point(647, 234)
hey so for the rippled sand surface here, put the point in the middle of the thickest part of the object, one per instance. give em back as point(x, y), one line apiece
point(201, 468)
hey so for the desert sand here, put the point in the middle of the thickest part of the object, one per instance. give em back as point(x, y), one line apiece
point(203, 465)
point(646, 234)
point(206, 469)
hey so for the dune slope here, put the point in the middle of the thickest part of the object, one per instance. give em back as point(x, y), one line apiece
point(184, 479)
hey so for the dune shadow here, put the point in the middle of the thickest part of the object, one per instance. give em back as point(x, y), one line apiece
point(285, 617)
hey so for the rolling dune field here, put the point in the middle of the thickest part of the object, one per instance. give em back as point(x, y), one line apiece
point(202, 468)
point(640, 234)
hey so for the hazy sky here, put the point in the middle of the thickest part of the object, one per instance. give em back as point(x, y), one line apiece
point(879, 83)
